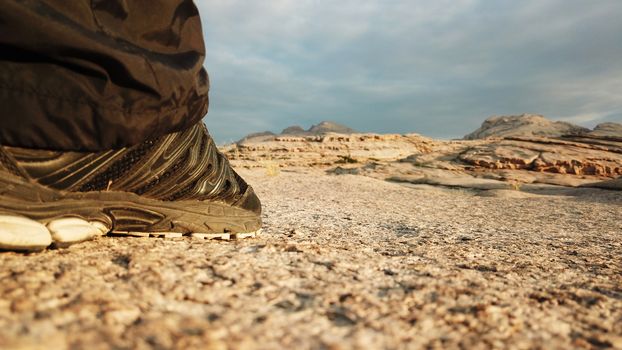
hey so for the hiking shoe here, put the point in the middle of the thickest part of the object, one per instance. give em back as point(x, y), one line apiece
point(179, 184)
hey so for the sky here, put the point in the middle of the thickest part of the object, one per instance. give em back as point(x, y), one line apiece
point(438, 68)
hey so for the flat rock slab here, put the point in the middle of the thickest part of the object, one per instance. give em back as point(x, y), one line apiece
point(344, 262)
point(454, 180)
point(615, 184)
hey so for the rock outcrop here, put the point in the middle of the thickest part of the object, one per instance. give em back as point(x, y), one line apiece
point(574, 157)
point(547, 155)
point(607, 130)
point(326, 149)
point(525, 125)
point(615, 184)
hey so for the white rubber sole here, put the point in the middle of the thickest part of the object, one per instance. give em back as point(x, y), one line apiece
point(18, 233)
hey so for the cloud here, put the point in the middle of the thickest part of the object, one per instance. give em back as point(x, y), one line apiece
point(437, 68)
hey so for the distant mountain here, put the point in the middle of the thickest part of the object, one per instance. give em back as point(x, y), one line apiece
point(257, 135)
point(295, 130)
point(525, 125)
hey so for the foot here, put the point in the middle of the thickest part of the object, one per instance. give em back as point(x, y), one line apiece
point(172, 186)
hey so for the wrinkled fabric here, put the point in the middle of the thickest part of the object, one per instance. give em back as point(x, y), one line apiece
point(91, 75)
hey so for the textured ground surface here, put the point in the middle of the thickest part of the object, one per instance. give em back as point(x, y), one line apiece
point(345, 261)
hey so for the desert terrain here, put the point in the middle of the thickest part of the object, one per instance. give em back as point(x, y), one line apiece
point(510, 238)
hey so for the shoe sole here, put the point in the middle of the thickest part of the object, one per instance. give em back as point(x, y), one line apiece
point(124, 213)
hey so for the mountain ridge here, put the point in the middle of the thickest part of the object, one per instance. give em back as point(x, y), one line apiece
point(502, 126)
point(321, 128)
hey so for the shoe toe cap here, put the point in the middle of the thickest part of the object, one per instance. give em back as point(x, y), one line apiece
point(250, 201)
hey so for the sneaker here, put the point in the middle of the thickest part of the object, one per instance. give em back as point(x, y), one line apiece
point(179, 184)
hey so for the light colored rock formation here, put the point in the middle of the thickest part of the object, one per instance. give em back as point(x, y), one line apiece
point(516, 161)
point(525, 125)
point(327, 149)
point(607, 130)
point(573, 160)
point(545, 155)
point(327, 126)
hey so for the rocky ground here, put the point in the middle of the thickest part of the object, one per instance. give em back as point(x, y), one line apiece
point(345, 261)
point(506, 152)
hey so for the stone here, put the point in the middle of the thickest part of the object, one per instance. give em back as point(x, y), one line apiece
point(524, 125)
point(448, 179)
point(325, 150)
point(545, 155)
point(499, 156)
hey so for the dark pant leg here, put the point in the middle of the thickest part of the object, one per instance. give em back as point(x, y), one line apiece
point(99, 74)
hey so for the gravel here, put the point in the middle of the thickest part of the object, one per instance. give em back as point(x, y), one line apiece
point(345, 261)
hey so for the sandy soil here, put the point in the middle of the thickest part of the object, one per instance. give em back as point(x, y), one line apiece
point(344, 262)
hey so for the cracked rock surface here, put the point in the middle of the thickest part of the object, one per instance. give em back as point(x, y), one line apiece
point(345, 261)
